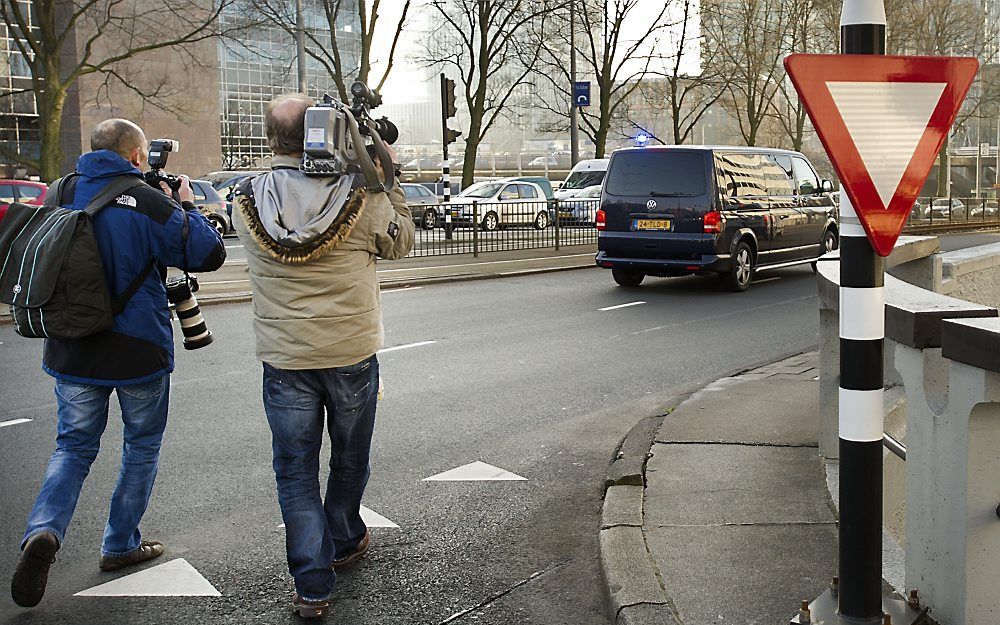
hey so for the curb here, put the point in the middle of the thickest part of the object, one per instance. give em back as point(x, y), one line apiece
point(391, 283)
point(634, 586)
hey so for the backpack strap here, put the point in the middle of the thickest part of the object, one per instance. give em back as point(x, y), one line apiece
point(110, 192)
point(119, 302)
point(53, 198)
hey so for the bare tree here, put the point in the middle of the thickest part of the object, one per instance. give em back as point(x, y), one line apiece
point(491, 46)
point(808, 31)
point(749, 38)
point(616, 58)
point(63, 41)
point(327, 45)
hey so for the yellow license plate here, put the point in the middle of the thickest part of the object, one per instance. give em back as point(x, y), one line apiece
point(565, 215)
point(652, 224)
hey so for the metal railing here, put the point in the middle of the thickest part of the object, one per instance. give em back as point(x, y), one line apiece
point(931, 213)
point(475, 227)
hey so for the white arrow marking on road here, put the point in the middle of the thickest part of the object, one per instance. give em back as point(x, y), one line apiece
point(886, 121)
point(621, 306)
point(371, 519)
point(176, 578)
point(4, 424)
point(399, 347)
point(474, 472)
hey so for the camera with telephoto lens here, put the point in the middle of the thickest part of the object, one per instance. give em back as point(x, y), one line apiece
point(335, 134)
point(180, 293)
point(159, 149)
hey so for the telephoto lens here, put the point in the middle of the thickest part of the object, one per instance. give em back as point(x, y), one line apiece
point(179, 293)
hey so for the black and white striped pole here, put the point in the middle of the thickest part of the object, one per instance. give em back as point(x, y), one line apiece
point(862, 336)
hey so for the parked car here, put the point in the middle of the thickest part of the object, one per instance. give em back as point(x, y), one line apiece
point(584, 174)
point(946, 209)
point(212, 206)
point(733, 211)
point(582, 207)
point(541, 181)
point(500, 204)
point(542, 161)
point(24, 191)
point(423, 204)
point(983, 210)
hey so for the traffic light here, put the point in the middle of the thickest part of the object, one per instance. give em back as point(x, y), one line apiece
point(448, 110)
point(450, 136)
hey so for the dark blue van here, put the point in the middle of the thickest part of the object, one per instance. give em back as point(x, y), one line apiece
point(680, 210)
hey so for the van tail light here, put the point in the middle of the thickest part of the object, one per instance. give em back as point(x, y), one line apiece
point(713, 222)
point(599, 220)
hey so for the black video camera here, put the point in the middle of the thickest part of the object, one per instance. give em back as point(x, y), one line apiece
point(159, 149)
point(363, 102)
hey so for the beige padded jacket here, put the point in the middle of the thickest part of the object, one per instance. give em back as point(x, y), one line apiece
point(317, 305)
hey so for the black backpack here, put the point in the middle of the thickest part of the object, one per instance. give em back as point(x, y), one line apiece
point(52, 275)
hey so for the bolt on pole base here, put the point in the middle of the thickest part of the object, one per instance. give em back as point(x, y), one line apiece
point(823, 611)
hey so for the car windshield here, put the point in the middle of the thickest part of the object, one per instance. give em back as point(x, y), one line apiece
point(583, 179)
point(667, 173)
point(481, 190)
point(591, 192)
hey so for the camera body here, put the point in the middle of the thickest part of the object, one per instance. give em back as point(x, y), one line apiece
point(330, 147)
point(159, 150)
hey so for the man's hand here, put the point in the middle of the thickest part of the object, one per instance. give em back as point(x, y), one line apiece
point(392, 152)
point(184, 193)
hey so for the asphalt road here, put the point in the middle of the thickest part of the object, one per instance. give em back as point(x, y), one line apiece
point(526, 374)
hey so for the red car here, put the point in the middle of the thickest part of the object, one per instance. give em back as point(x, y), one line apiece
point(24, 191)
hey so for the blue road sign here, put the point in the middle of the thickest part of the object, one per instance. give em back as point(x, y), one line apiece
point(581, 93)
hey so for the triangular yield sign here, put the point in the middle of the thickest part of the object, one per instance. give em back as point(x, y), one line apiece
point(882, 120)
point(371, 519)
point(474, 472)
point(176, 578)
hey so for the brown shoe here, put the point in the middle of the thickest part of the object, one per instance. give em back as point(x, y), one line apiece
point(309, 609)
point(358, 551)
point(32, 573)
point(148, 549)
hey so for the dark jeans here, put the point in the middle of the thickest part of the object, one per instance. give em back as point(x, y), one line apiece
point(295, 402)
point(83, 415)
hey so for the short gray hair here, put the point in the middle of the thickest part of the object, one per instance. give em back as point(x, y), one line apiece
point(118, 135)
point(284, 122)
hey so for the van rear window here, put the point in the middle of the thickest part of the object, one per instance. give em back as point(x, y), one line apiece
point(657, 173)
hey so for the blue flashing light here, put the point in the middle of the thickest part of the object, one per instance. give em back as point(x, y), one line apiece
point(642, 139)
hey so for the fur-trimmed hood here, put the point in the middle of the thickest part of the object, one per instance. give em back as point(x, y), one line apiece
point(296, 218)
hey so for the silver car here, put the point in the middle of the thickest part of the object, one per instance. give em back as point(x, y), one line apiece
point(423, 204)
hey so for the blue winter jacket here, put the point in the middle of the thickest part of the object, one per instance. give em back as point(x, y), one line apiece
point(141, 227)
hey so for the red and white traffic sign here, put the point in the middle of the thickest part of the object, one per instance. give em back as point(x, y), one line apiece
point(882, 120)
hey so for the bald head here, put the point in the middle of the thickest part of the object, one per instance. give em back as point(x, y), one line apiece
point(120, 136)
point(284, 122)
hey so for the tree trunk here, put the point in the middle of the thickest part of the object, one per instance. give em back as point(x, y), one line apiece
point(943, 163)
point(50, 154)
point(472, 147)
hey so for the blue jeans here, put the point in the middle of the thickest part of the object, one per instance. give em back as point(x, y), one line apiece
point(83, 415)
point(295, 402)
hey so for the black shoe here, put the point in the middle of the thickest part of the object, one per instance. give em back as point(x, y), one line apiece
point(32, 572)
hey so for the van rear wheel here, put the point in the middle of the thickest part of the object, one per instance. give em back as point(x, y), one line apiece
point(627, 277)
point(740, 274)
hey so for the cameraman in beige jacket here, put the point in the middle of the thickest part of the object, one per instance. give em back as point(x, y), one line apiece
point(311, 245)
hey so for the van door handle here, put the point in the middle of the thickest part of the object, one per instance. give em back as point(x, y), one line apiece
point(783, 216)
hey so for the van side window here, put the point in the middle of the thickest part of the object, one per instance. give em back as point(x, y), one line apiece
point(741, 174)
point(805, 177)
point(778, 177)
point(526, 191)
point(509, 192)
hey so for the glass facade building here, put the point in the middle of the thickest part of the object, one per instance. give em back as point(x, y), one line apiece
point(263, 65)
point(18, 109)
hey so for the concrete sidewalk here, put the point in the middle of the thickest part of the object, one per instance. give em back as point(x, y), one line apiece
point(735, 523)
point(231, 282)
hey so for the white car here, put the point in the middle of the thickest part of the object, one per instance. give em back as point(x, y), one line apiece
point(586, 173)
point(501, 203)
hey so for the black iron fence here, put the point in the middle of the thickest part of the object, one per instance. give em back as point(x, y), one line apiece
point(471, 227)
point(930, 212)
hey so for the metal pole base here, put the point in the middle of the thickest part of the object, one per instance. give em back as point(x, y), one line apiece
point(823, 611)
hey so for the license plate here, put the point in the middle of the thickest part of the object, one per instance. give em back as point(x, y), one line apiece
point(565, 215)
point(652, 224)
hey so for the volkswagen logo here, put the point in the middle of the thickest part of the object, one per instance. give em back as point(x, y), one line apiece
point(651, 204)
